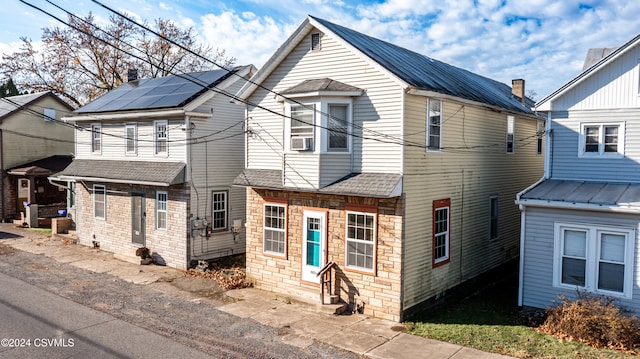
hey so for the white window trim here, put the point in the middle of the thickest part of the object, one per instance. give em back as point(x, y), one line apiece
point(325, 124)
point(135, 139)
point(511, 131)
point(165, 211)
point(428, 126)
point(592, 257)
point(104, 204)
point(283, 230)
point(373, 243)
point(601, 153)
point(155, 137)
point(288, 119)
point(226, 210)
point(445, 258)
point(96, 128)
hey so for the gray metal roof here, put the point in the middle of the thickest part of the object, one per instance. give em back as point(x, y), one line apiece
point(12, 104)
point(325, 84)
point(156, 93)
point(428, 74)
point(585, 192)
point(380, 185)
point(154, 173)
point(596, 54)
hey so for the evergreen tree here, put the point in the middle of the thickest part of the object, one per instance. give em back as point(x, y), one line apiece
point(9, 89)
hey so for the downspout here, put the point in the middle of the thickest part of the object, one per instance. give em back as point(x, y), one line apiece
point(187, 173)
point(523, 210)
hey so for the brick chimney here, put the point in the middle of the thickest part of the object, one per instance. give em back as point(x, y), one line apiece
point(517, 89)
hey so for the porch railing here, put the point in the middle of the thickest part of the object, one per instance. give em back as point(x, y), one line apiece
point(326, 279)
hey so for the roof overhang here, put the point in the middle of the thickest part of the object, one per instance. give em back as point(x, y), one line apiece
point(579, 206)
point(162, 174)
point(136, 115)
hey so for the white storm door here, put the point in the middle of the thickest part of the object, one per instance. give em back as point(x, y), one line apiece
point(314, 243)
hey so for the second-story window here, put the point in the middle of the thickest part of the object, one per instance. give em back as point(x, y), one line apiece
point(302, 127)
point(96, 138)
point(434, 125)
point(510, 139)
point(131, 140)
point(338, 127)
point(161, 137)
point(602, 139)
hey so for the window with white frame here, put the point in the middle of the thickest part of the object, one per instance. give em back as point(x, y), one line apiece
point(161, 137)
point(96, 138)
point(275, 224)
point(338, 127)
point(161, 209)
point(598, 139)
point(49, 114)
point(434, 124)
point(440, 241)
point(594, 258)
point(99, 201)
point(493, 217)
point(131, 139)
point(361, 236)
point(510, 138)
point(219, 210)
point(302, 127)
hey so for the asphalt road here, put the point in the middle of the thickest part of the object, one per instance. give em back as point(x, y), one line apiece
point(107, 317)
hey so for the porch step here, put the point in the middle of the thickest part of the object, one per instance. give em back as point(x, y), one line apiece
point(310, 298)
point(127, 256)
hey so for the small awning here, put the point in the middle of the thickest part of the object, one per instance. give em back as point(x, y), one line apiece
point(134, 172)
point(43, 167)
point(378, 185)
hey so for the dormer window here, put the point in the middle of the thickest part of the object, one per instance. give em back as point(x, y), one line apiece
point(315, 42)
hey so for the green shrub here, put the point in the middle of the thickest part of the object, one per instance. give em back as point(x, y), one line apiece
point(594, 320)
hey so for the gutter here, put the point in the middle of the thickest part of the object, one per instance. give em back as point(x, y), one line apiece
point(111, 180)
point(578, 206)
point(135, 114)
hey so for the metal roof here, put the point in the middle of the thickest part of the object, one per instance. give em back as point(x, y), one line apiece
point(141, 172)
point(380, 185)
point(585, 192)
point(12, 104)
point(429, 74)
point(156, 93)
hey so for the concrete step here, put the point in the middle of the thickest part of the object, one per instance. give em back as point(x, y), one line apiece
point(310, 297)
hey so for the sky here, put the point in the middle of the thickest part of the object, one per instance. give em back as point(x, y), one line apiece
point(542, 41)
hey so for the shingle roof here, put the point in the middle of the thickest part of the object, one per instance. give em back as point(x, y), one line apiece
point(156, 93)
point(428, 74)
point(585, 192)
point(325, 84)
point(154, 173)
point(12, 104)
point(381, 185)
point(42, 167)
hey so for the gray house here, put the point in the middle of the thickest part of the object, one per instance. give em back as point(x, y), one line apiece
point(580, 221)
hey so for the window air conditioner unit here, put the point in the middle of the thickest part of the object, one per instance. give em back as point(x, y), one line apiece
point(301, 143)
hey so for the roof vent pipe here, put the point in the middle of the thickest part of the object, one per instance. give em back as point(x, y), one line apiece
point(517, 89)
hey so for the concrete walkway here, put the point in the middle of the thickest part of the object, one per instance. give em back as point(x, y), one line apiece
point(300, 322)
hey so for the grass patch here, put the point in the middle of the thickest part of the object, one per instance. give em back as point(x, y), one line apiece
point(491, 321)
point(43, 231)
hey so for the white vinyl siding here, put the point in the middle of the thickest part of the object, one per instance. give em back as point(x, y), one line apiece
point(99, 201)
point(162, 199)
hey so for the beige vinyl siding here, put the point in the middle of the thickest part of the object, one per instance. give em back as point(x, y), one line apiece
point(377, 110)
point(566, 164)
point(614, 86)
point(334, 166)
point(28, 137)
point(216, 158)
point(113, 141)
point(472, 166)
point(539, 246)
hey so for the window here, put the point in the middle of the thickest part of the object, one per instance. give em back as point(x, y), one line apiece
point(361, 234)
point(161, 136)
point(493, 217)
point(510, 134)
point(302, 127)
point(275, 224)
point(219, 210)
point(130, 134)
point(99, 201)
point(161, 209)
point(434, 124)
point(602, 140)
point(539, 136)
point(49, 114)
point(597, 259)
point(315, 42)
point(96, 138)
point(440, 242)
point(338, 128)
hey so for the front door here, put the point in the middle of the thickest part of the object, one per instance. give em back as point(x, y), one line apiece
point(23, 193)
point(137, 218)
point(314, 242)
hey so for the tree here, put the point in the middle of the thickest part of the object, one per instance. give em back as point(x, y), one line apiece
point(82, 61)
point(8, 89)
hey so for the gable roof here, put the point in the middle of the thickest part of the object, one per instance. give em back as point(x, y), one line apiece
point(10, 105)
point(545, 103)
point(157, 93)
point(412, 70)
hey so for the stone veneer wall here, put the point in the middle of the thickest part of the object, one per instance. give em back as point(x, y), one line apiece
point(379, 295)
point(114, 234)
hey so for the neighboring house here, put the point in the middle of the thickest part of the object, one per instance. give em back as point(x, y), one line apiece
point(34, 143)
point(580, 221)
point(154, 163)
point(398, 168)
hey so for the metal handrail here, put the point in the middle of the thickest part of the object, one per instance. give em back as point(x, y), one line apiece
point(322, 274)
